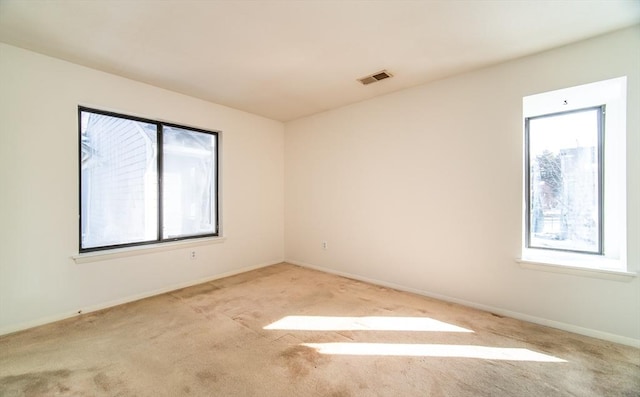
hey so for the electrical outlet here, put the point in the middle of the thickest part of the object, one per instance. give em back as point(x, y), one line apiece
point(325, 245)
point(193, 255)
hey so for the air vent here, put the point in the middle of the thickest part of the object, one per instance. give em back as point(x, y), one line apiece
point(375, 77)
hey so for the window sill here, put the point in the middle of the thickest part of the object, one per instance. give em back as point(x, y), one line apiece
point(543, 265)
point(143, 250)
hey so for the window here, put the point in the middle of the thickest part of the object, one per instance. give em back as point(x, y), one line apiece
point(574, 211)
point(144, 181)
point(564, 178)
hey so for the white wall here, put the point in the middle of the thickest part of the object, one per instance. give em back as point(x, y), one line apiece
point(422, 189)
point(39, 281)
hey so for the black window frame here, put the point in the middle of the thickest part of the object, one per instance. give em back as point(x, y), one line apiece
point(159, 135)
point(601, 112)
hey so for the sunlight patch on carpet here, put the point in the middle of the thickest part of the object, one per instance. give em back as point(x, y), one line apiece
point(432, 350)
point(370, 323)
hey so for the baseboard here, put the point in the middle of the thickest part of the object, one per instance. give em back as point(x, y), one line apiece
point(497, 310)
point(101, 306)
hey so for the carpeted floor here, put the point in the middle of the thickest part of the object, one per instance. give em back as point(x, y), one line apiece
point(289, 331)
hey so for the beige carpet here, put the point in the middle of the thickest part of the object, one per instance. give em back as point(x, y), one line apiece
point(289, 331)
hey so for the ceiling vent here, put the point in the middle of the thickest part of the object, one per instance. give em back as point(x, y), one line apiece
point(375, 77)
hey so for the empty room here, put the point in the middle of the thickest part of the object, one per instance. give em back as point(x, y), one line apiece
point(320, 198)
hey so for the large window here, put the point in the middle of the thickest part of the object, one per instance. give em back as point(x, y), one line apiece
point(144, 181)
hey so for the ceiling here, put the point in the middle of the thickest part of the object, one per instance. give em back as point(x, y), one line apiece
point(289, 59)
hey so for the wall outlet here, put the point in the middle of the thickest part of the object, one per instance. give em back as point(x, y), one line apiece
point(193, 255)
point(325, 245)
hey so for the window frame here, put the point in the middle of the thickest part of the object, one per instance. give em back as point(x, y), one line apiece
point(601, 113)
point(159, 170)
point(613, 264)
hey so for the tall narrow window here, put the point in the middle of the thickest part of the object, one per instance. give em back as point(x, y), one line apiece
point(564, 187)
point(142, 181)
point(575, 201)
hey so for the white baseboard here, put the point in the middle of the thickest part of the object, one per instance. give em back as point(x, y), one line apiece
point(63, 316)
point(503, 312)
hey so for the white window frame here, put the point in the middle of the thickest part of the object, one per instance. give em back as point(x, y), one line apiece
point(612, 94)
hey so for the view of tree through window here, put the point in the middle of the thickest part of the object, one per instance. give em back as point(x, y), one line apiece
point(564, 200)
point(128, 196)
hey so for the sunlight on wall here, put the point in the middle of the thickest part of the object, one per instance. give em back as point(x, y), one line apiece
point(428, 350)
point(369, 323)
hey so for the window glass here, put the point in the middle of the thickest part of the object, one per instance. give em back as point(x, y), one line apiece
point(188, 183)
point(119, 181)
point(565, 181)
